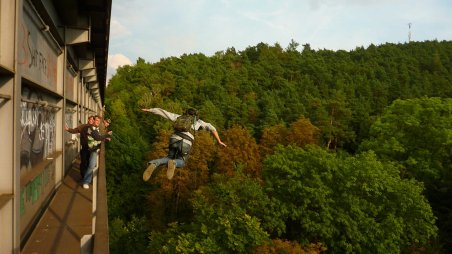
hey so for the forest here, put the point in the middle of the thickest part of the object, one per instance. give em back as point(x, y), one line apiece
point(327, 151)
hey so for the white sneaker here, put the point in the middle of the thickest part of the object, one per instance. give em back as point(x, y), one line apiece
point(85, 186)
point(171, 168)
point(148, 172)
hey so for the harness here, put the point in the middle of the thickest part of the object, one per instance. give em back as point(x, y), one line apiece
point(184, 136)
point(178, 144)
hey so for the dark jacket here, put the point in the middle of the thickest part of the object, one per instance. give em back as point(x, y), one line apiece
point(83, 130)
point(90, 132)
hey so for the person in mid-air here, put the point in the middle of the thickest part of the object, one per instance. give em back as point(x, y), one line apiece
point(180, 141)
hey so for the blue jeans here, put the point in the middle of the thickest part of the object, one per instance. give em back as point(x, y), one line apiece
point(84, 160)
point(179, 161)
point(178, 151)
point(92, 164)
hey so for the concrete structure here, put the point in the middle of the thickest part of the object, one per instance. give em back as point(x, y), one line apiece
point(53, 62)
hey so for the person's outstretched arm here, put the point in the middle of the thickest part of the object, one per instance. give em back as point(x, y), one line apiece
point(161, 112)
point(215, 134)
point(209, 127)
point(75, 130)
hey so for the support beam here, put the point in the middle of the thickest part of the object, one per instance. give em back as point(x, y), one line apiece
point(76, 35)
point(89, 72)
point(90, 79)
point(86, 64)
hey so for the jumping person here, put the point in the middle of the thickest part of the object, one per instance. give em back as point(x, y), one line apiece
point(180, 141)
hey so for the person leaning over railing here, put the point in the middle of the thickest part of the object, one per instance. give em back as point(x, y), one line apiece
point(84, 153)
point(93, 142)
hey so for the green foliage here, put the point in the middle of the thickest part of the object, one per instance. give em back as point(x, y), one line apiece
point(352, 204)
point(128, 237)
point(227, 216)
point(265, 90)
point(417, 134)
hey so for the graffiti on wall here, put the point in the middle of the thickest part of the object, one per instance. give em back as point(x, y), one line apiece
point(37, 60)
point(71, 140)
point(68, 116)
point(33, 191)
point(37, 130)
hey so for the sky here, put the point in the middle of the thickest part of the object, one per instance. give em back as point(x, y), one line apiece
point(155, 29)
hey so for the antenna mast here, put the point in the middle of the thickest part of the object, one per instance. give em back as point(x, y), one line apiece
point(409, 32)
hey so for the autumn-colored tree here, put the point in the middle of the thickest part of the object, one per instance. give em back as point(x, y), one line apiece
point(170, 201)
point(271, 137)
point(303, 132)
point(277, 246)
point(241, 153)
point(300, 133)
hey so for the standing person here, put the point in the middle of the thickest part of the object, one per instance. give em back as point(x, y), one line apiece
point(103, 128)
point(94, 139)
point(181, 141)
point(106, 122)
point(84, 152)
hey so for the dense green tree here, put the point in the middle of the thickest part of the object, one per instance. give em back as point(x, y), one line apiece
point(226, 220)
point(351, 204)
point(125, 156)
point(130, 237)
point(417, 134)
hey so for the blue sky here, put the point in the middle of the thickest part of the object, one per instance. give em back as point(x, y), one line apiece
point(155, 29)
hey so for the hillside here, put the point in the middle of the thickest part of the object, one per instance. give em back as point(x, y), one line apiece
point(348, 151)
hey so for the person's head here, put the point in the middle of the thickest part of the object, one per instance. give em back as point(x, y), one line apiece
point(106, 122)
point(191, 112)
point(96, 120)
point(91, 119)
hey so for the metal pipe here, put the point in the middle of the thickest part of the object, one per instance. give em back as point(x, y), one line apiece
point(46, 27)
point(4, 96)
point(42, 103)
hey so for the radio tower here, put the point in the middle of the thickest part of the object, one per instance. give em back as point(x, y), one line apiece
point(409, 32)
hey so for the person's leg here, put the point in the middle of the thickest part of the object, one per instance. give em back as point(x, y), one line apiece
point(89, 172)
point(84, 161)
point(160, 161)
point(173, 150)
point(181, 156)
point(152, 165)
point(180, 162)
point(172, 165)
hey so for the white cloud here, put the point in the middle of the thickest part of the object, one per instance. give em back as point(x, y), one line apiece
point(115, 61)
point(117, 30)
